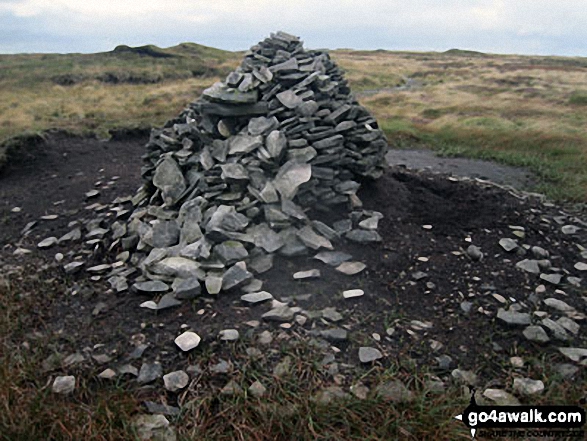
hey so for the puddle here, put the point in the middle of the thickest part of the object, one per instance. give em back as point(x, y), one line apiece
point(518, 178)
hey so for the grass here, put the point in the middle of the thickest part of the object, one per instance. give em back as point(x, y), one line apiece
point(518, 110)
point(291, 408)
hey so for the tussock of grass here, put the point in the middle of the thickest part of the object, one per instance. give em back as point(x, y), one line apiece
point(578, 98)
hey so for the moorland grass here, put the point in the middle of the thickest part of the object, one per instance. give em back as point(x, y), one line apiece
point(519, 110)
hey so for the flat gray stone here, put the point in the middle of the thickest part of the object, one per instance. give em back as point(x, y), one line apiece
point(500, 397)
point(370, 223)
point(575, 354)
point(165, 234)
point(536, 334)
point(48, 243)
point(279, 314)
point(169, 179)
point(508, 244)
point(293, 210)
point(559, 305)
point(231, 251)
point(73, 235)
point(256, 297)
point(527, 386)
point(331, 314)
point(236, 275)
point(168, 301)
point(514, 317)
point(363, 236)
point(581, 266)
point(234, 173)
point(557, 330)
point(309, 274)
point(570, 325)
point(267, 239)
point(244, 144)
point(262, 264)
point(570, 229)
point(262, 125)
point(220, 92)
point(73, 267)
point(254, 285)
point(150, 372)
point(305, 154)
point(465, 377)
point(333, 258)
point(540, 253)
point(276, 143)
point(334, 335)
point(444, 361)
point(181, 267)
point(313, 240)
point(289, 99)
point(151, 287)
point(369, 355)
point(528, 265)
point(290, 176)
point(351, 268)
point(553, 279)
point(188, 289)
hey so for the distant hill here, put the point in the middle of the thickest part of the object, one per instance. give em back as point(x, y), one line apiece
point(464, 53)
point(125, 64)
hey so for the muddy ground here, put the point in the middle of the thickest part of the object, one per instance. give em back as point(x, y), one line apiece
point(86, 316)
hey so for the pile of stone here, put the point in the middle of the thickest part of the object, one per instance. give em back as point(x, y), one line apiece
point(229, 182)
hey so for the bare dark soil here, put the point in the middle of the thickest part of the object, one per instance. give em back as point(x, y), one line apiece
point(53, 177)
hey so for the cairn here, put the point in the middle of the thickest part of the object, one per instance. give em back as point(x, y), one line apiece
point(230, 181)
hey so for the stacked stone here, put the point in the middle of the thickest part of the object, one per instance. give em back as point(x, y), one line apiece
point(231, 178)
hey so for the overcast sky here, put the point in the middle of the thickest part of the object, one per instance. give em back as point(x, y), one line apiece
point(553, 27)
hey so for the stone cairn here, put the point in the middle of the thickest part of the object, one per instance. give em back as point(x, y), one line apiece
point(229, 182)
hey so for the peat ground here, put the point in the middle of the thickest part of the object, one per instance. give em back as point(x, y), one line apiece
point(425, 298)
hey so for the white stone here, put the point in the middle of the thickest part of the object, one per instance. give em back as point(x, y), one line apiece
point(107, 374)
point(188, 341)
point(228, 335)
point(368, 354)
point(526, 386)
point(257, 389)
point(501, 397)
point(351, 268)
point(309, 274)
point(353, 293)
point(64, 385)
point(175, 381)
